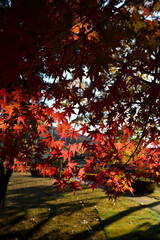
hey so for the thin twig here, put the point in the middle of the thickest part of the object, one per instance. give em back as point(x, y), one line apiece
point(150, 108)
point(75, 41)
point(52, 85)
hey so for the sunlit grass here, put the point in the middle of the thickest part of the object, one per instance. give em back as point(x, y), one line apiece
point(128, 220)
point(35, 210)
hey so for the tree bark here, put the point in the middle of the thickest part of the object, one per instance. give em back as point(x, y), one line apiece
point(4, 179)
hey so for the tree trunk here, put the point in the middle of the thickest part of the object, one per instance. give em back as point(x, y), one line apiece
point(4, 179)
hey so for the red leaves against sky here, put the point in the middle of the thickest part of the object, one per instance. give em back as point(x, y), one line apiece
point(102, 61)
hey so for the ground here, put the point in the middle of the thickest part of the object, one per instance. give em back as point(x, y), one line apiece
point(35, 210)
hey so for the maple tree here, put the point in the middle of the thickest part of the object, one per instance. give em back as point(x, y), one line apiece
point(97, 62)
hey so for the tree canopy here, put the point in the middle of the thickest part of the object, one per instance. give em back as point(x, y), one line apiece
point(97, 62)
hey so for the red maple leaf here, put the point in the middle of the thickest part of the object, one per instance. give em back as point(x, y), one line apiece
point(52, 172)
point(72, 165)
point(69, 110)
point(66, 154)
point(74, 185)
point(84, 129)
point(41, 128)
point(74, 134)
point(67, 174)
point(60, 183)
point(73, 148)
point(81, 174)
point(20, 167)
point(43, 171)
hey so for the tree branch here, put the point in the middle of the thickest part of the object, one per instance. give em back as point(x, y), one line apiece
point(150, 108)
point(75, 41)
point(52, 85)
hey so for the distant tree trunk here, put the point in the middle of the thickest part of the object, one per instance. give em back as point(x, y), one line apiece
point(4, 179)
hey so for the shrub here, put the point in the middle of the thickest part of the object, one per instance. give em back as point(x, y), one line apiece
point(143, 186)
point(90, 176)
point(35, 173)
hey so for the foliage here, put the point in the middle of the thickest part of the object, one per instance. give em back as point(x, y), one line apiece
point(97, 62)
point(142, 186)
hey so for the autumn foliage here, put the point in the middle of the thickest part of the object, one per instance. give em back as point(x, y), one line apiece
point(86, 67)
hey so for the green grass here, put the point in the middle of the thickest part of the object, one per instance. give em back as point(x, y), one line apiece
point(34, 210)
point(129, 221)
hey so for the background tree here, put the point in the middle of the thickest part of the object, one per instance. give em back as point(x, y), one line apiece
point(102, 59)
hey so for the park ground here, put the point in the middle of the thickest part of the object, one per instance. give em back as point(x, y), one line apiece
point(35, 210)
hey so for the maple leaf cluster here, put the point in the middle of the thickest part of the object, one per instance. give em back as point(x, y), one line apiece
point(97, 65)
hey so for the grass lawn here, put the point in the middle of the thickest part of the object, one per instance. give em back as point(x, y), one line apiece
point(34, 210)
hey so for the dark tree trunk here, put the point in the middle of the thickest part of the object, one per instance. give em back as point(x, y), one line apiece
point(4, 179)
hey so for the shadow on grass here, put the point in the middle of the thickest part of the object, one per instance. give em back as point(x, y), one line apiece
point(37, 196)
point(153, 233)
point(136, 235)
point(14, 217)
point(41, 197)
point(32, 195)
point(22, 199)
